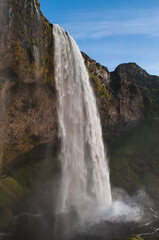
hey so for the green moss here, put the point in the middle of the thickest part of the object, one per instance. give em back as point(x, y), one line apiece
point(6, 217)
point(21, 182)
point(19, 56)
point(38, 4)
point(134, 158)
point(134, 237)
point(36, 173)
point(15, 186)
point(151, 99)
point(33, 41)
point(92, 76)
point(10, 190)
point(99, 87)
point(10, 193)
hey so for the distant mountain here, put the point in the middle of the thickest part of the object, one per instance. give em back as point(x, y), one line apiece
point(125, 97)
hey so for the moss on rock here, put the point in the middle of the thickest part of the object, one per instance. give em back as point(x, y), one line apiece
point(10, 193)
point(21, 183)
point(134, 237)
point(10, 190)
point(6, 217)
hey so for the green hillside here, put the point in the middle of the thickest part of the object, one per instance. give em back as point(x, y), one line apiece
point(134, 161)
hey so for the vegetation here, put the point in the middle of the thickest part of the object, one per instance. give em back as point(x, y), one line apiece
point(134, 237)
point(134, 158)
point(20, 183)
point(99, 87)
point(151, 101)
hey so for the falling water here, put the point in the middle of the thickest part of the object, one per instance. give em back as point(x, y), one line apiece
point(37, 10)
point(85, 173)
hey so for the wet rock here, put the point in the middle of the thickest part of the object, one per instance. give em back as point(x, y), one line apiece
point(28, 118)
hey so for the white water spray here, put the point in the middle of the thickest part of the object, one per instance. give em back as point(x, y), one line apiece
point(85, 173)
point(37, 10)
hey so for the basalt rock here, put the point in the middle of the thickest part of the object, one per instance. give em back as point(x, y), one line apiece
point(147, 84)
point(28, 118)
point(119, 100)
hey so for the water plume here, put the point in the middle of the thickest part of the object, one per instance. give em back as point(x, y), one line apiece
point(85, 173)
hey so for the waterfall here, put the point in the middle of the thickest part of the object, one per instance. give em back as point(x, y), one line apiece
point(85, 173)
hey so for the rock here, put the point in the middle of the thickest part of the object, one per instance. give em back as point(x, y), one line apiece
point(120, 102)
point(137, 75)
point(28, 119)
point(95, 69)
point(134, 237)
point(147, 84)
point(125, 97)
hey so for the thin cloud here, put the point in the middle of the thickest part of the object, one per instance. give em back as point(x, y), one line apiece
point(98, 25)
point(116, 36)
point(152, 68)
point(112, 54)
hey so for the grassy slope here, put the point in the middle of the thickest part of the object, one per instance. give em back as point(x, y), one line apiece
point(134, 160)
point(20, 183)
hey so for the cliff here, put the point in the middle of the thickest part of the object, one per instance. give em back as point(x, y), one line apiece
point(28, 116)
point(28, 119)
point(128, 102)
point(119, 100)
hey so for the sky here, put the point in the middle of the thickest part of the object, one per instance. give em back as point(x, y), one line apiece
point(111, 31)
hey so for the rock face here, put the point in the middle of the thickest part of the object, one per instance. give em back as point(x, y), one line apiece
point(124, 97)
point(148, 85)
point(119, 101)
point(28, 118)
point(137, 75)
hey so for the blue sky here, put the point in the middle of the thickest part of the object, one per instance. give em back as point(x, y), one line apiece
point(111, 31)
